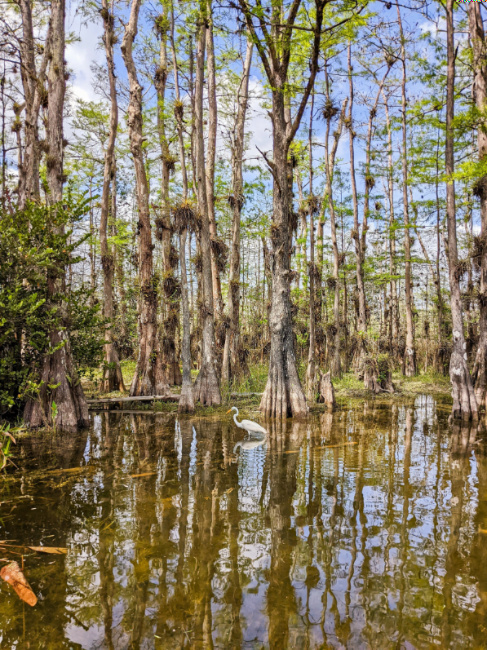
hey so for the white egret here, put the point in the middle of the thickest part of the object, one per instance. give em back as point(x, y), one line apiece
point(247, 425)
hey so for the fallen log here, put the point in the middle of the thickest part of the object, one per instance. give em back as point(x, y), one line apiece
point(243, 395)
point(142, 398)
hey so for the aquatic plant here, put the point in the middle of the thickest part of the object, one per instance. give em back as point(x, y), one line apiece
point(6, 439)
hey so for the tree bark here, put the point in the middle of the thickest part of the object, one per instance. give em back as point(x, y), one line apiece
point(409, 366)
point(207, 386)
point(327, 392)
point(112, 373)
point(479, 91)
point(186, 400)
point(312, 209)
point(335, 361)
point(210, 164)
point(60, 384)
point(283, 394)
point(440, 356)
point(302, 240)
point(393, 303)
point(464, 402)
point(170, 287)
point(230, 366)
point(361, 323)
point(33, 82)
point(149, 376)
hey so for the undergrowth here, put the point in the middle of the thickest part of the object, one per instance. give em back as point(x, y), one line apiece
point(255, 379)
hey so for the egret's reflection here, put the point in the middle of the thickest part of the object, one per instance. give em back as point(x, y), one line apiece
point(250, 443)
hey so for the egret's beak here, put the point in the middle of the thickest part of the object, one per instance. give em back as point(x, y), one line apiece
point(229, 411)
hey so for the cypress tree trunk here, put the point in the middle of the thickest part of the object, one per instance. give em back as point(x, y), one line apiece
point(207, 387)
point(477, 36)
point(170, 287)
point(149, 377)
point(302, 243)
point(35, 94)
point(112, 373)
point(464, 402)
point(361, 322)
point(283, 394)
point(186, 399)
point(335, 361)
point(217, 246)
point(312, 208)
point(230, 364)
point(58, 367)
point(320, 293)
point(266, 298)
point(409, 367)
point(393, 303)
point(439, 360)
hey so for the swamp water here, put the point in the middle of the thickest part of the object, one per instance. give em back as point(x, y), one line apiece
point(362, 529)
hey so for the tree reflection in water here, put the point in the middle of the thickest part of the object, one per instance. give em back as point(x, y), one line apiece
point(365, 528)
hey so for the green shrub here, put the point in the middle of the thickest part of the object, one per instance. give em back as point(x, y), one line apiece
point(36, 246)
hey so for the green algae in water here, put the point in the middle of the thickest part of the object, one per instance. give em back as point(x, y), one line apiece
point(362, 529)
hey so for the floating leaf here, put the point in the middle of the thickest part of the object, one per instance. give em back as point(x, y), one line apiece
point(12, 574)
point(54, 550)
point(343, 444)
point(144, 474)
point(68, 469)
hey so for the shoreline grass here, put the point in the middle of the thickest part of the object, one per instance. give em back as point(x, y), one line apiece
point(347, 387)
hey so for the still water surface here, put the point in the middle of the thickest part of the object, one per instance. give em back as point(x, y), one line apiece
point(362, 529)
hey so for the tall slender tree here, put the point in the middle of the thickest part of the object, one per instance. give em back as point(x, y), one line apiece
point(216, 244)
point(207, 386)
point(59, 380)
point(33, 82)
point(330, 155)
point(361, 322)
point(479, 91)
point(312, 210)
point(230, 363)
point(283, 394)
point(393, 298)
point(464, 402)
point(149, 375)
point(112, 373)
point(183, 223)
point(170, 288)
point(410, 355)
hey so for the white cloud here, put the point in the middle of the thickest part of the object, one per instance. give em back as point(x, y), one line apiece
point(432, 27)
point(82, 53)
point(259, 124)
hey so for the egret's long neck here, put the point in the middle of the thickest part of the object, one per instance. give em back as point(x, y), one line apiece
point(235, 419)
